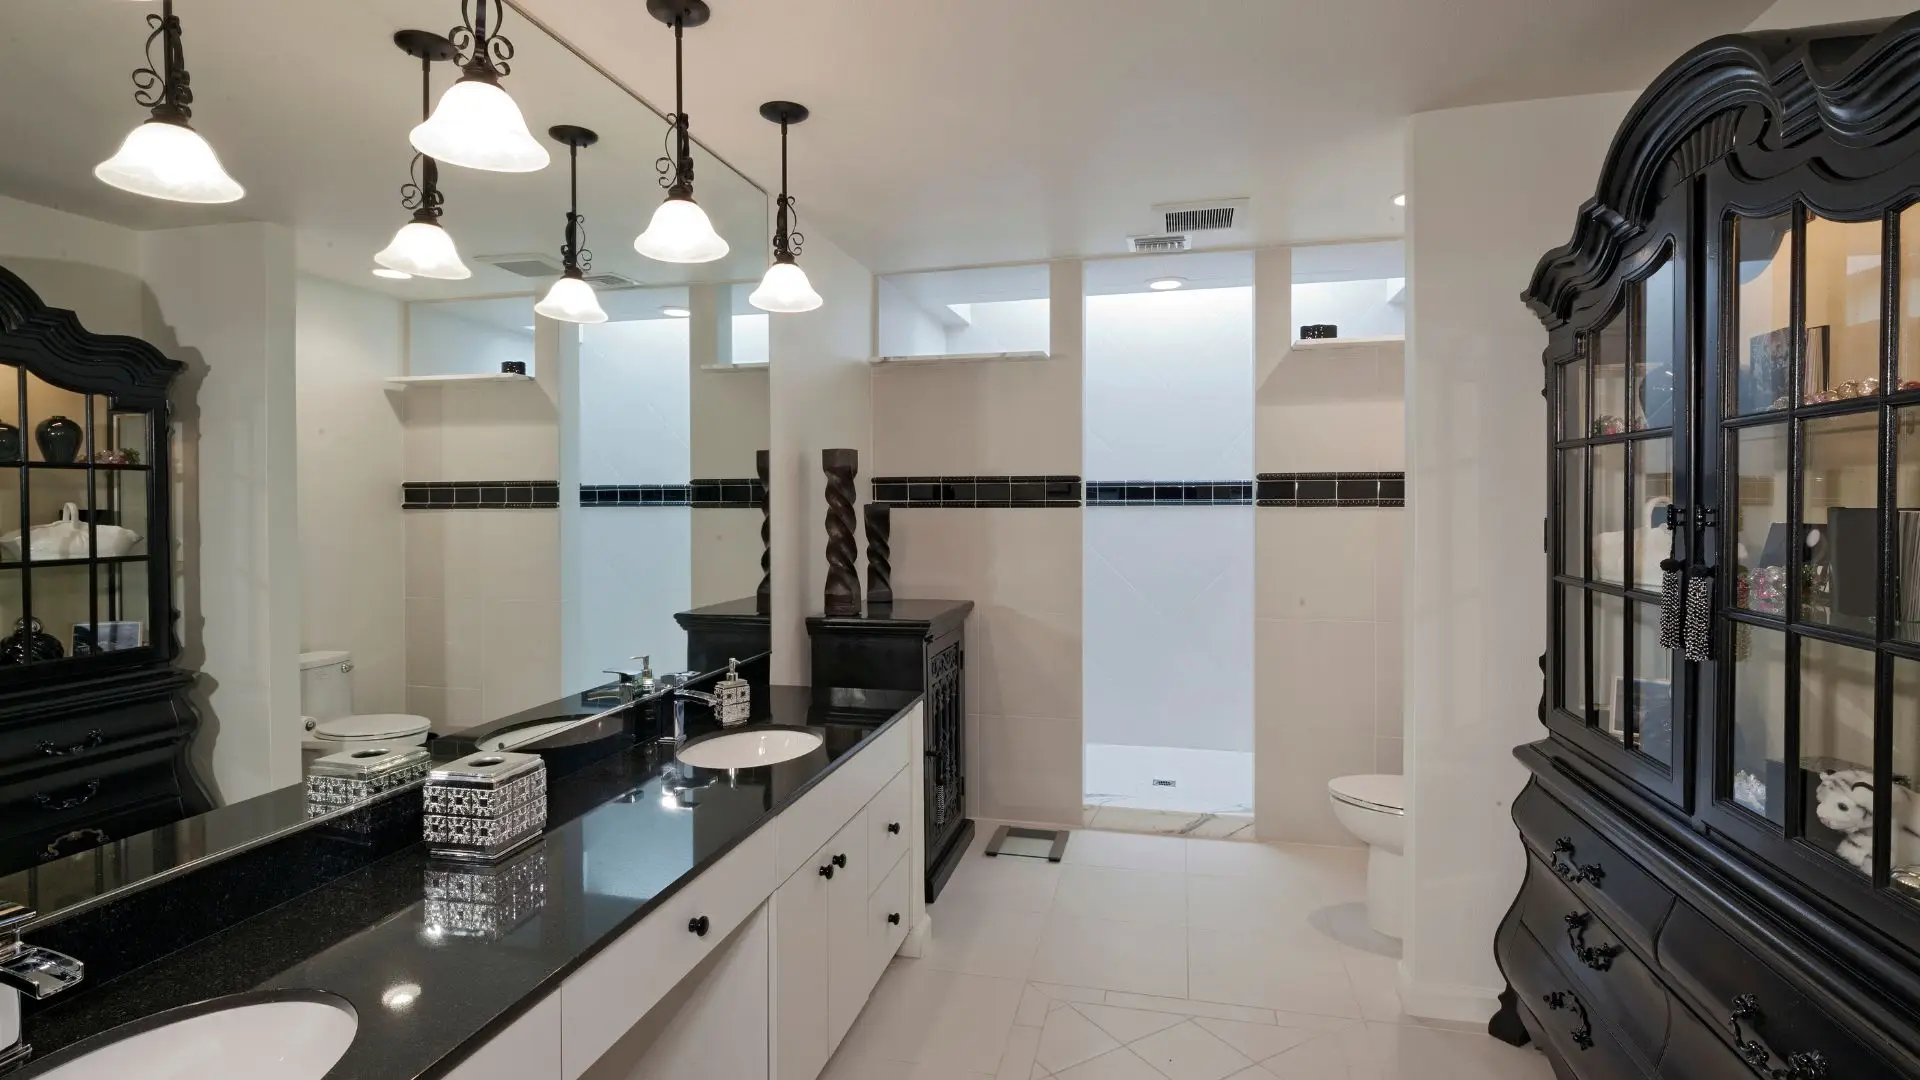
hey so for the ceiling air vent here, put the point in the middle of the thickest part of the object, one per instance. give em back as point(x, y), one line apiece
point(1213, 215)
point(1159, 242)
point(611, 281)
point(530, 266)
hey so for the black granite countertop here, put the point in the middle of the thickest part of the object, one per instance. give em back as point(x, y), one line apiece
point(623, 834)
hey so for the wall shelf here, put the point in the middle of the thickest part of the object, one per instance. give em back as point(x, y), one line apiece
point(486, 377)
point(1343, 344)
point(955, 358)
point(734, 367)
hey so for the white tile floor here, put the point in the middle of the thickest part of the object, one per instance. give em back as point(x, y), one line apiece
point(1158, 958)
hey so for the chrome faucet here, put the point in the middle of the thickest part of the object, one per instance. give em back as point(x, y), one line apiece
point(682, 695)
point(30, 970)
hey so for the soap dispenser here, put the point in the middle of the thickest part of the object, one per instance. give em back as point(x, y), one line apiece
point(734, 695)
point(645, 685)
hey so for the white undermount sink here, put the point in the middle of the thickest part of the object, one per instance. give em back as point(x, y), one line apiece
point(750, 749)
point(268, 1040)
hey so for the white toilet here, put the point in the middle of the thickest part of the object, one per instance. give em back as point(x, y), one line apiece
point(326, 707)
point(1374, 808)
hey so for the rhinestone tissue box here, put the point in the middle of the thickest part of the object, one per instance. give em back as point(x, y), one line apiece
point(484, 806)
point(354, 776)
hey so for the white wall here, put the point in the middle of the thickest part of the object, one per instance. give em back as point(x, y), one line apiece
point(1363, 308)
point(1169, 590)
point(820, 399)
point(906, 328)
point(1003, 326)
point(634, 426)
point(749, 339)
point(441, 341)
point(87, 266)
point(1475, 429)
point(352, 457)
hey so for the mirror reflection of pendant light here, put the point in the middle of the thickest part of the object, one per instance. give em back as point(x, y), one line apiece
point(785, 288)
point(679, 231)
point(164, 158)
point(477, 125)
point(571, 299)
point(422, 247)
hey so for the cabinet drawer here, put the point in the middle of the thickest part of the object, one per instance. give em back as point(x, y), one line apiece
point(1617, 889)
point(812, 820)
point(1573, 1029)
point(1611, 977)
point(58, 740)
point(886, 920)
point(1704, 960)
point(1695, 1050)
point(889, 824)
point(612, 991)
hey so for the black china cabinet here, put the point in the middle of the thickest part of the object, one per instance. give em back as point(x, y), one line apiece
point(95, 723)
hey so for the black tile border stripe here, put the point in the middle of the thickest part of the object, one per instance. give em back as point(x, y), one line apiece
point(976, 492)
point(480, 495)
point(1169, 492)
point(726, 493)
point(1332, 489)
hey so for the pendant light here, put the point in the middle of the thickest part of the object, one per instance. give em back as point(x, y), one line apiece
point(785, 288)
point(477, 126)
point(679, 231)
point(571, 299)
point(164, 158)
point(422, 247)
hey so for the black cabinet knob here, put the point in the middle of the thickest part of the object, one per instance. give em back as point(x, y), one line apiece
point(827, 871)
point(894, 918)
point(840, 861)
point(893, 827)
point(698, 925)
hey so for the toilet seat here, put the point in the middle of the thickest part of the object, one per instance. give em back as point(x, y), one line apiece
point(1382, 794)
point(371, 727)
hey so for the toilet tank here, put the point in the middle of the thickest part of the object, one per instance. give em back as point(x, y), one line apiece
point(326, 684)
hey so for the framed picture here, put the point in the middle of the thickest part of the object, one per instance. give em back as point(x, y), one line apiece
point(1763, 382)
point(1652, 714)
point(106, 637)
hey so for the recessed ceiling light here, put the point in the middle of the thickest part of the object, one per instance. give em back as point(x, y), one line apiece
point(1166, 284)
point(391, 275)
point(1400, 199)
point(675, 312)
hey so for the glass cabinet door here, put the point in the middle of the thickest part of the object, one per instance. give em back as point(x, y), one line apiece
point(1614, 477)
point(1819, 670)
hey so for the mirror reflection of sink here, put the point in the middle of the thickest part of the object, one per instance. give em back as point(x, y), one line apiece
point(749, 749)
point(266, 1040)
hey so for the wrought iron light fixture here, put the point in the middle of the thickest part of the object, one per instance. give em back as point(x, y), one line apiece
point(571, 299)
point(680, 231)
point(422, 247)
point(164, 158)
point(785, 288)
point(477, 125)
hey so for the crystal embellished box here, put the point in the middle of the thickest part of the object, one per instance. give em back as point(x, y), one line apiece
point(484, 806)
point(354, 776)
point(487, 902)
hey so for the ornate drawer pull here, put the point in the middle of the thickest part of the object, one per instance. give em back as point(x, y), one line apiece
point(1597, 957)
point(1563, 1000)
point(94, 738)
point(1569, 873)
point(71, 801)
point(93, 837)
point(1803, 1065)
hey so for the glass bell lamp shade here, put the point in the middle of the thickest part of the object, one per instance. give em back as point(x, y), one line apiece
point(423, 249)
point(165, 160)
point(784, 290)
point(477, 126)
point(680, 233)
point(571, 300)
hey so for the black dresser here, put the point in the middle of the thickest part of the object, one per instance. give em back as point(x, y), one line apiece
point(1722, 830)
point(918, 646)
point(730, 630)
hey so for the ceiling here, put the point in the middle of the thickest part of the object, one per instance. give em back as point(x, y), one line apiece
point(309, 107)
point(514, 313)
point(950, 133)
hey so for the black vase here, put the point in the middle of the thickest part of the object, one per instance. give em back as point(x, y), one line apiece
point(10, 444)
point(60, 439)
point(28, 641)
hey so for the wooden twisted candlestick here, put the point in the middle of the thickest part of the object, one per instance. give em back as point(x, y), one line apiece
point(879, 553)
point(763, 598)
point(843, 584)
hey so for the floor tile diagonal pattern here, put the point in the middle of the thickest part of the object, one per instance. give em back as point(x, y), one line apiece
point(1158, 958)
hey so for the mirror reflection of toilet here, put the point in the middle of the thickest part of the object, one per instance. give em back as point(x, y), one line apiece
point(326, 710)
point(1373, 808)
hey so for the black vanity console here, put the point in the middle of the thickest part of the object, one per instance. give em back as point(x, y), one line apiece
point(1723, 867)
point(95, 721)
point(918, 646)
point(731, 630)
